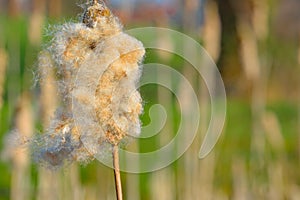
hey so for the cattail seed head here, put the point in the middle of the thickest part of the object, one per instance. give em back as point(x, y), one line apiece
point(98, 67)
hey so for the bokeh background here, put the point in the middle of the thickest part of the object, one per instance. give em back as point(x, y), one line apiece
point(256, 46)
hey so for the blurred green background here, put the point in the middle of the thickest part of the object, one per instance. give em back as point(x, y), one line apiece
point(256, 46)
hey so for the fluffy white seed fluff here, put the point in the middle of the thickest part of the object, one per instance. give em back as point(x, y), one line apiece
point(98, 67)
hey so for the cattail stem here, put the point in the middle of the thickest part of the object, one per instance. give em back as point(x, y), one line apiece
point(118, 183)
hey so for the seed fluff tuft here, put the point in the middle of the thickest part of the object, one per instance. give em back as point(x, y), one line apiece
point(97, 67)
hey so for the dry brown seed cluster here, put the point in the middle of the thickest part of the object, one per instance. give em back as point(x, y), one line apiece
point(98, 68)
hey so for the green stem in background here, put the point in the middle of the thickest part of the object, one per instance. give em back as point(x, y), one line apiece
point(116, 164)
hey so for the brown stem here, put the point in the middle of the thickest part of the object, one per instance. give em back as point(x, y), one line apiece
point(117, 172)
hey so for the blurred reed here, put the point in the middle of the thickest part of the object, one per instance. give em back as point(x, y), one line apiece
point(105, 188)
point(273, 133)
point(211, 35)
point(252, 67)
point(298, 59)
point(36, 22)
point(49, 182)
point(278, 182)
point(20, 176)
point(294, 188)
point(194, 179)
point(252, 28)
point(294, 192)
point(90, 192)
point(260, 18)
point(240, 179)
point(163, 181)
point(55, 8)
point(3, 66)
point(212, 30)
point(71, 183)
point(133, 180)
point(13, 70)
point(276, 186)
point(188, 169)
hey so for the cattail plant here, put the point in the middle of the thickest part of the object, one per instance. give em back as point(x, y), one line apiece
point(110, 103)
